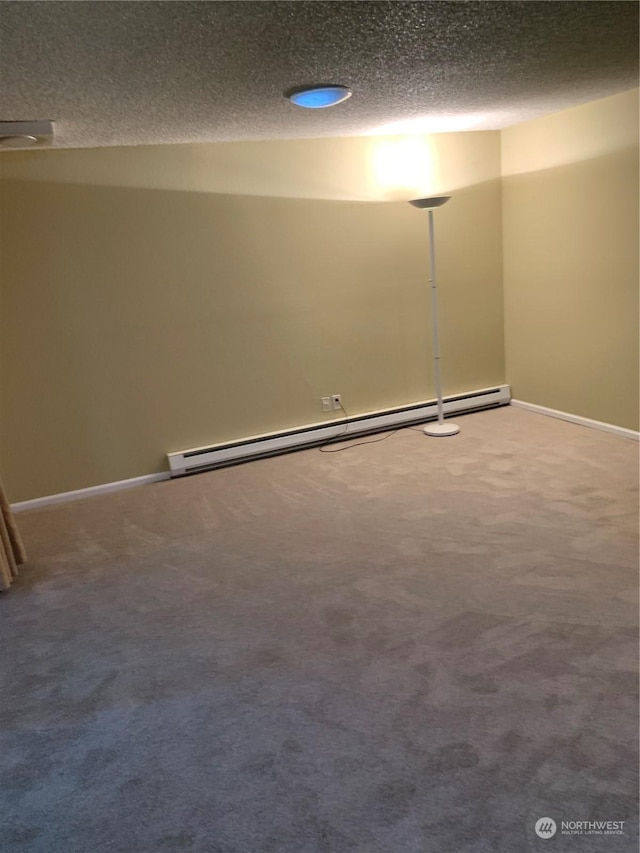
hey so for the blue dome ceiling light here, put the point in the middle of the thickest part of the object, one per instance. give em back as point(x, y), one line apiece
point(318, 97)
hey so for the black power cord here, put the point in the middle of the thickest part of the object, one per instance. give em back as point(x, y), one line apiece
point(324, 449)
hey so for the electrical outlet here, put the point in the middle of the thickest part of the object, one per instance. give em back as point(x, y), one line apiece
point(336, 402)
point(326, 404)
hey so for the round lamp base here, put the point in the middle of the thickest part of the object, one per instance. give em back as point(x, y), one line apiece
point(441, 429)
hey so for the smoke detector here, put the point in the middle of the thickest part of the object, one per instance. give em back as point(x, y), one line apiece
point(25, 134)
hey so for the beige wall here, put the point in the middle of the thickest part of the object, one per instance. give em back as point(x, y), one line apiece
point(157, 298)
point(353, 168)
point(570, 212)
point(151, 303)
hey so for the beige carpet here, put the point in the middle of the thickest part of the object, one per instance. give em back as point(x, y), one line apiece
point(413, 645)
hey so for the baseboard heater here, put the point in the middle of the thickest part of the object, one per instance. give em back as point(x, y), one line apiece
point(255, 447)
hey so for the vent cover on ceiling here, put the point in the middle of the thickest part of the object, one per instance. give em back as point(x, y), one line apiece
point(25, 134)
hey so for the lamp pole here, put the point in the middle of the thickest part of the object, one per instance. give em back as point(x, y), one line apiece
point(439, 428)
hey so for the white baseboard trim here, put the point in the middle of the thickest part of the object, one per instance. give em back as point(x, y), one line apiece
point(105, 488)
point(480, 399)
point(92, 491)
point(577, 419)
point(200, 459)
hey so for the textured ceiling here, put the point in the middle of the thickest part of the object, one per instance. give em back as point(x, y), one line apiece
point(130, 73)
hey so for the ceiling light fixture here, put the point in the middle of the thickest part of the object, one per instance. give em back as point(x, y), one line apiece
point(319, 97)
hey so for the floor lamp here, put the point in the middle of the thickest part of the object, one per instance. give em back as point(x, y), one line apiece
point(439, 428)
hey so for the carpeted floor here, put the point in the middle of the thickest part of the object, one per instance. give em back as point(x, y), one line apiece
point(413, 646)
